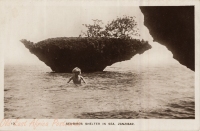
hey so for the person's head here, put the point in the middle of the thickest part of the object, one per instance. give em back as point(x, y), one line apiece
point(76, 71)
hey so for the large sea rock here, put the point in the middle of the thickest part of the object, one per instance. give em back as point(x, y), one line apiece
point(173, 26)
point(90, 54)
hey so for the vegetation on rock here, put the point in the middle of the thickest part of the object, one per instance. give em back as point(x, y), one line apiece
point(123, 27)
point(90, 54)
point(99, 48)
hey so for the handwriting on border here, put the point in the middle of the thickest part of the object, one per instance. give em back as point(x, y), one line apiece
point(35, 123)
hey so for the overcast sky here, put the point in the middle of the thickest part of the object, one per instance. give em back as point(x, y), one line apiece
point(38, 22)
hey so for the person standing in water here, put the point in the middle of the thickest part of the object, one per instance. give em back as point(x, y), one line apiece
point(77, 76)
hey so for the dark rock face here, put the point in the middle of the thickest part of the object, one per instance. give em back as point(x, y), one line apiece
point(90, 54)
point(173, 26)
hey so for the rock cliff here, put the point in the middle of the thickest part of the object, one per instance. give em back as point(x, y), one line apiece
point(173, 26)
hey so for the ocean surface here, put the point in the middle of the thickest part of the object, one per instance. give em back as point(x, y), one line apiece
point(149, 92)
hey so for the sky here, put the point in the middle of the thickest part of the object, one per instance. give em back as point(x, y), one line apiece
point(38, 22)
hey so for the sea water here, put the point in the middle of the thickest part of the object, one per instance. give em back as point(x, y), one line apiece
point(163, 92)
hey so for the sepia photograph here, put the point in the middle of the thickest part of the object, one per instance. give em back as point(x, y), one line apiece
point(98, 62)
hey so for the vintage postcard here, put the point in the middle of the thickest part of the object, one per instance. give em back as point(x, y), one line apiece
point(99, 65)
